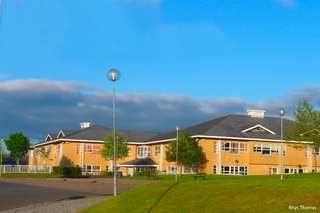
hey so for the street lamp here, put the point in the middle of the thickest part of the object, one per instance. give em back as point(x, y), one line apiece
point(281, 112)
point(177, 129)
point(113, 75)
point(1, 155)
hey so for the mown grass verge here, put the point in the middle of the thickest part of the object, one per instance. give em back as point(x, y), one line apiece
point(219, 194)
point(29, 175)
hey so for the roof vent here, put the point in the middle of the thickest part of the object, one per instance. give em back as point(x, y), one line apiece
point(256, 113)
point(84, 125)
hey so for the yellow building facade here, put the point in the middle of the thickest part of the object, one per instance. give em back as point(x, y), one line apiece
point(232, 144)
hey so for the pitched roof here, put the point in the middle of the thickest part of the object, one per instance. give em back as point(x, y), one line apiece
point(141, 162)
point(232, 126)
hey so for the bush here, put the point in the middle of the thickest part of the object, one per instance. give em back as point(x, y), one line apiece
point(144, 173)
point(67, 170)
point(105, 173)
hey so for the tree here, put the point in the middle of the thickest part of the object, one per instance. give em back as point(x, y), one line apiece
point(306, 129)
point(18, 145)
point(189, 152)
point(44, 154)
point(3, 160)
point(107, 150)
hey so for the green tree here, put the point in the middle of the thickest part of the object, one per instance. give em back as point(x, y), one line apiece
point(18, 145)
point(189, 152)
point(44, 154)
point(306, 129)
point(107, 150)
point(3, 161)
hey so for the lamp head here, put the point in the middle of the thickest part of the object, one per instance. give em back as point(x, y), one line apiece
point(113, 74)
point(177, 128)
point(282, 112)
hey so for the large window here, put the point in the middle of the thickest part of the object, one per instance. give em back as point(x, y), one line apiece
point(157, 151)
point(144, 152)
point(91, 169)
point(37, 152)
point(188, 170)
point(292, 171)
point(88, 148)
point(273, 171)
point(268, 149)
point(234, 170)
point(49, 149)
point(58, 149)
point(96, 150)
point(235, 148)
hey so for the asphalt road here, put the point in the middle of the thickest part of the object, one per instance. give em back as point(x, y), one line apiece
point(17, 193)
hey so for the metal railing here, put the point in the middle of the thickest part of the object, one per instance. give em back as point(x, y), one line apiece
point(24, 169)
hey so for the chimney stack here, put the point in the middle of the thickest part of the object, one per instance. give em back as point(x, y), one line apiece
point(84, 125)
point(256, 113)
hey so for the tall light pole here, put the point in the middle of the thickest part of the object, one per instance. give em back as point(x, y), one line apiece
point(113, 75)
point(281, 112)
point(177, 129)
point(1, 156)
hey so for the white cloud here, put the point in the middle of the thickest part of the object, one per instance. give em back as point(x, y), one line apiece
point(38, 107)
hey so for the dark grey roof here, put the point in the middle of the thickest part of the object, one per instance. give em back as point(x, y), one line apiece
point(231, 126)
point(144, 161)
point(52, 136)
point(67, 132)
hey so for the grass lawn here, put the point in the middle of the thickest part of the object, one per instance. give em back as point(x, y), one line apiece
point(29, 175)
point(218, 193)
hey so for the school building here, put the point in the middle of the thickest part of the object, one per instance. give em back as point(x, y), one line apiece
point(232, 144)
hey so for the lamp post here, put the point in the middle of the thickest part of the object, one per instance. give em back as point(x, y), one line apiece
point(281, 112)
point(177, 129)
point(1, 156)
point(113, 75)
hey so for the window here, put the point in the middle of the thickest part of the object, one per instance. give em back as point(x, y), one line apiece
point(91, 169)
point(188, 170)
point(88, 148)
point(58, 149)
point(317, 151)
point(96, 150)
point(78, 149)
point(214, 169)
point(127, 172)
point(306, 153)
point(37, 152)
point(129, 150)
point(273, 171)
point(267, 149)
point(107, 168)
point(49, 149)
point(235, 148)
point(144, 152)
point(292, 171)
point(157, 151)
point(234, 170)
point(225, 146)
point(215, 147)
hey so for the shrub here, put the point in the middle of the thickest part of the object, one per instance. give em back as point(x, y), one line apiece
point(144, 173)
point(105, 173)
point(67, 170)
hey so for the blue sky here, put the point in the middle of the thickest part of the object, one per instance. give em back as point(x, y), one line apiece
point(182, 62)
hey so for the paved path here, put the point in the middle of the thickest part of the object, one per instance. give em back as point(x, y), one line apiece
point(20, 192)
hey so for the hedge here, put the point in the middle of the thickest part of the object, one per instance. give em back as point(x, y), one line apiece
point(67, 170)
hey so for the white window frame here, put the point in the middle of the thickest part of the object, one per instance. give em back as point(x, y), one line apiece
point(86, 148)
point(157, 151)
point(93, 149)
point(78, 149)
point(273, 171)
point(49, 149)
point(144, 152)
point(234, 170)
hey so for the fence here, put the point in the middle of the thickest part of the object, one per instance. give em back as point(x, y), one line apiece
point(24, 169)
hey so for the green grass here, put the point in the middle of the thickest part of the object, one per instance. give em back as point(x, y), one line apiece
point(218, 193)
point(29, 175)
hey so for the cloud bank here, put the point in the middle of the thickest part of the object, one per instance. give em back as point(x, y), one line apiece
point(38, 107)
